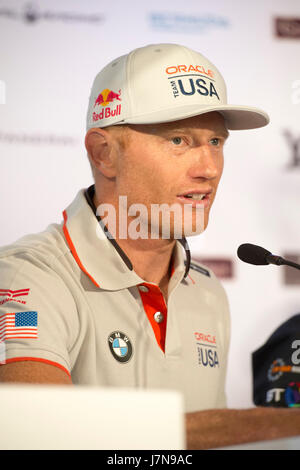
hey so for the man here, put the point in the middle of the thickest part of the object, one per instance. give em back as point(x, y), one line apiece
point(109, 297)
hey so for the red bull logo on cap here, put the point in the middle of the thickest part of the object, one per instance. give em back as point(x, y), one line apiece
point(107, 113)
point(106, 97)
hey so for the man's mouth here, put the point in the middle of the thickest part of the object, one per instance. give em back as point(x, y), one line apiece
point(195, 197)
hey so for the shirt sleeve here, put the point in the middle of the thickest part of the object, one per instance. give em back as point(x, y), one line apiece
point(38, 315)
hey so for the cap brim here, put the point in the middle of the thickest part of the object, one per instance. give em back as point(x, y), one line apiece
point(236, 117)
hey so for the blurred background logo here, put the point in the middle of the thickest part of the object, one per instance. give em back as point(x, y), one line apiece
point(182, 23)
point(287, 27)
point(31, 13)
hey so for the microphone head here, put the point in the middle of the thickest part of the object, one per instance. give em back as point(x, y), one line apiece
point(253, 254)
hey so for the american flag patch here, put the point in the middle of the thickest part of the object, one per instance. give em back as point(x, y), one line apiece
point(18, 325)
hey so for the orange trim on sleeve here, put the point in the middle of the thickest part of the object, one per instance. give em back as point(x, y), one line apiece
point(73, 250)
point(36, 359)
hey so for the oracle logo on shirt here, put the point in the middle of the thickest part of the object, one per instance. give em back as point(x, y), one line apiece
point(207, 350)
point(205, 338)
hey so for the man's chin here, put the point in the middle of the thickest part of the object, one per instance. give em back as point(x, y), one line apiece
point(194, 227)
point(185, 231)
point(193, 233)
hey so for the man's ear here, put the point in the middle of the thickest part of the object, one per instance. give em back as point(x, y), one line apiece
point(101, 151)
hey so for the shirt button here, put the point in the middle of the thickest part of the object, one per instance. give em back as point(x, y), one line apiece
point(158, 317)
point(143, 289)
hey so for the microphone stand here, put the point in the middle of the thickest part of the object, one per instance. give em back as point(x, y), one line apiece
point(290, 263)
point(279, 261)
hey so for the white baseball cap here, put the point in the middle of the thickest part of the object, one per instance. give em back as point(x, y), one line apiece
point(163, 83)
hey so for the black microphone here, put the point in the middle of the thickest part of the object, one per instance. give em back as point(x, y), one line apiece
point(257, 255)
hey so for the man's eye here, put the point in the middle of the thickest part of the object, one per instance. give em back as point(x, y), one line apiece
point(176, 140)
point(215, 141)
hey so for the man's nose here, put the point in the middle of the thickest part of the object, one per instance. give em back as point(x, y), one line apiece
point(204, 163)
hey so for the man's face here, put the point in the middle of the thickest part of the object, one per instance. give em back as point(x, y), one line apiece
point(174, 163)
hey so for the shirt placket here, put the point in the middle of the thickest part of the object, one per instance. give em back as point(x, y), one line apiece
point(156, 310)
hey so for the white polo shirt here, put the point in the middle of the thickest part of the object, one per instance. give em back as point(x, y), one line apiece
point(69, 297)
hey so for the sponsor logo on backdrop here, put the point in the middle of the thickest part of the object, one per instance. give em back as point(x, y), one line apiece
point(291, 276)
point(287, 27)
point(37, 139)
point(105, 98)
point(184, 23)
point(32, 13)
point(207, 349)
point(221, 267)
point(294, 146)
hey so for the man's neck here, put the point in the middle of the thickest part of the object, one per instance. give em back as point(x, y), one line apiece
point(150, 258)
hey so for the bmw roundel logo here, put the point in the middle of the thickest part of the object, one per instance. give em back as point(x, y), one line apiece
point(120, 346)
